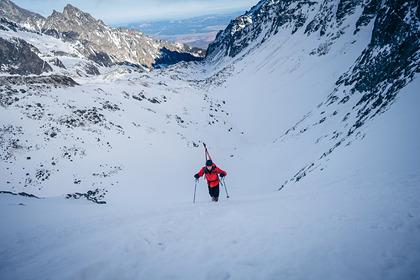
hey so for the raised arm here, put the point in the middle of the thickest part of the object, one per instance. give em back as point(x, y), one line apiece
point(221, 172)
point(200, 173)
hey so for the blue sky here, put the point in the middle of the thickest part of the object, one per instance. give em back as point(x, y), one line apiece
point(123, 11)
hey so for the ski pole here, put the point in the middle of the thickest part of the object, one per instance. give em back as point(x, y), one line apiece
point(224, 184)
point(195, 188)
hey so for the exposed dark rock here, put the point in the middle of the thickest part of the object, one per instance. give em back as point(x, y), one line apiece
point(58, 63)
point(257, 25)
point(10, 143)
point(70, 36)
point(168, 57)
point(101, 58)
point(130, 64)
point(52, 32)
point(369, 11)
point(18, 57)
point(56, 80)
point(42, 174)
point(346, 8)
point(112, 171)
point(140, 96)
point(21, 194)
point(71, 153)
point(95, 196)
point(91, 69)
point(389, 62)
point(91, 115)
point(110, 107)
point(11, 11)
point(6, 25)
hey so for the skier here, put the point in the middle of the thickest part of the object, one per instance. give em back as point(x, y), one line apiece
point(212, 176)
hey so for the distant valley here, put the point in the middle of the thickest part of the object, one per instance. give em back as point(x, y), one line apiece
point(196, 32)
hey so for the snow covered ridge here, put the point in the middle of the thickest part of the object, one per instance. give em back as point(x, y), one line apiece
point(27, 18)
point(98, 42)
point(325, 18)
point(389, 62)
point(19, 57)
point(27, 52)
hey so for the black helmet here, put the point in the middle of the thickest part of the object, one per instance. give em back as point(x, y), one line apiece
point(209, 162)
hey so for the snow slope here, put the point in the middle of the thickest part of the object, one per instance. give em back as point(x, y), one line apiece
point(362, 223)
point(135, 137)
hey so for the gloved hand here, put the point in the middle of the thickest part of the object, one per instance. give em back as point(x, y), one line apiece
point(196, 176)
point(222, 175)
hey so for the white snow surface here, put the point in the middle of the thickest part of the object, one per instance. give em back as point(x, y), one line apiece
point(357, 216)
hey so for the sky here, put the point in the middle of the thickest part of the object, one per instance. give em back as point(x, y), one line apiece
point(126, 11)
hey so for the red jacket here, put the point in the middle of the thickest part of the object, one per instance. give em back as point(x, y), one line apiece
point(212, 175)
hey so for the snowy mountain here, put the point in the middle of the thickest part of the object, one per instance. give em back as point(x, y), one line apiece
point(310, 106)
point(99, 42)
point(369, 86)
point(29, 19)
point(19, 57)
point(120, 44)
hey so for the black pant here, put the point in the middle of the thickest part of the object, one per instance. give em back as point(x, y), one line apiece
point(214, 191)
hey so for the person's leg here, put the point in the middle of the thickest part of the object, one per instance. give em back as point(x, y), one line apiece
point(216, 193)
point(211, 193)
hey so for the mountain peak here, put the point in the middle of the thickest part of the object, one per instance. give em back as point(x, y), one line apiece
point(70, 8)
point(55, 12)
point(11, 11)
point(72, 12)
point(7, 6)
point(6, 2)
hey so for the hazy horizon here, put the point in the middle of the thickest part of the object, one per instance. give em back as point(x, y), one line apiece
point(127, 11)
